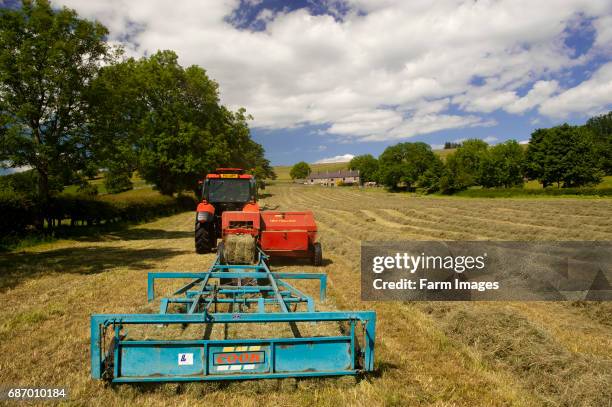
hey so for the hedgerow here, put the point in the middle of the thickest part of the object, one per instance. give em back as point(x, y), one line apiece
point(20, 213)
point(514, 192)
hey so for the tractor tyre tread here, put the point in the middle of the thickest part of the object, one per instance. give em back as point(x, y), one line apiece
point(317, 254)
point(203, 239)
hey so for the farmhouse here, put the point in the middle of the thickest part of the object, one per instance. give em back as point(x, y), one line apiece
point(344, 177)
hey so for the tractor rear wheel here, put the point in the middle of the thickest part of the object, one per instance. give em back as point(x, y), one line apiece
point(203, 238)
point(317, 254)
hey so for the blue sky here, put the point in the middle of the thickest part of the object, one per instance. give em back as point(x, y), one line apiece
point(283, 145)
point(334, 78)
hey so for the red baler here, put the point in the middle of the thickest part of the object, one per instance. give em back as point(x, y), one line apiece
point(278, 234)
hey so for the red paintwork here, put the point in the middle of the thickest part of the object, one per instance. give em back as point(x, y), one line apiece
point(240, 176)
point(238, 171)
point(250, 207)
point(249, 223)
point(289, 234)
point(288, 240)
point(205, 207)
point(275, 220)
point(280, 233)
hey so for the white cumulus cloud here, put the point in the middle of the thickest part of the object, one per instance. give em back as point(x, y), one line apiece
point(539, 93)
point(370, 69)
point(593, 96)
point(336, 159)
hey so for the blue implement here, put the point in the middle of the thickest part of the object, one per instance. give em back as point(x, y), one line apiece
point(121, 359)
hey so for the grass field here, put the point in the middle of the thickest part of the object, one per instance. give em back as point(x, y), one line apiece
point(606, 182)
point(98, 181)
point(503, 353)
point(282, 171)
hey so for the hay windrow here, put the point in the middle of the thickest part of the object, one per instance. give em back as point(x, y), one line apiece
point(549, 370)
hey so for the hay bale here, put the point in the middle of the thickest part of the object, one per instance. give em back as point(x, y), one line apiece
point(239, 249)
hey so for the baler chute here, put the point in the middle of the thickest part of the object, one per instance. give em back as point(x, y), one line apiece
point(257, 297)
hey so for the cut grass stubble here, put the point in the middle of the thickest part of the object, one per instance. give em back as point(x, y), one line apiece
point(427, 353)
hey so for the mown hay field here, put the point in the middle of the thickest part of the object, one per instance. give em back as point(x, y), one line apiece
point(428, 353)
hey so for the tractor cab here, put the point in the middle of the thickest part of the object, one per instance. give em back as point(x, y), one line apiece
point(226, 189)
point(229, 187)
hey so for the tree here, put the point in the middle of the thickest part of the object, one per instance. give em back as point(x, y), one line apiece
point(116, 108)
point(503, 166)
point(430, 180)
point(22, 183)
point(469, 158)
point(47, 60)
point(367, 166)
point(116, 181)
point(300, 170)
point(454, 177)
point(449, 145)
point(564, 155)
point(168, 122)
point(405, 163)
point(601, 127)
point(463, 167)
point(261, 174)
point(183, 132)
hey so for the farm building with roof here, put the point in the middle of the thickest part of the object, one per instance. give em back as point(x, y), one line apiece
point(344, 177)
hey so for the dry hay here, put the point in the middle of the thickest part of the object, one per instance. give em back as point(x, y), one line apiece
point(549, 370)
point(426, 353)
point(598, 311)
point(239, 249)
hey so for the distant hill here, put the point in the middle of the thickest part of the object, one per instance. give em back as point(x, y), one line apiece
point(444, 152)
point(282, 171)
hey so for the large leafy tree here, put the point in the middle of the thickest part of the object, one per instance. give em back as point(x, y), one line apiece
point(183, 133)
point(405, 163)
point(367, 166)
point(430, 179)
point(563, 156)
point(116, 108)
point(470, 156)
point(503, 166)
point(454, 177)
point(463, 167)
point(48, 58)
point(300, 170)
point(601, 127)
point(167, 122)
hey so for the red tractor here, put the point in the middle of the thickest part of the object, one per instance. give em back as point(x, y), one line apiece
point(227, 189)
point(229, 211)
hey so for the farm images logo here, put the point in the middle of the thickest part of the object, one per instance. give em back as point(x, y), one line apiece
point(412, 264)
point(448, 271)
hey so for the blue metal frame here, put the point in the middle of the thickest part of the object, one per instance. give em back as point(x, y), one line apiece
point(232, 359)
